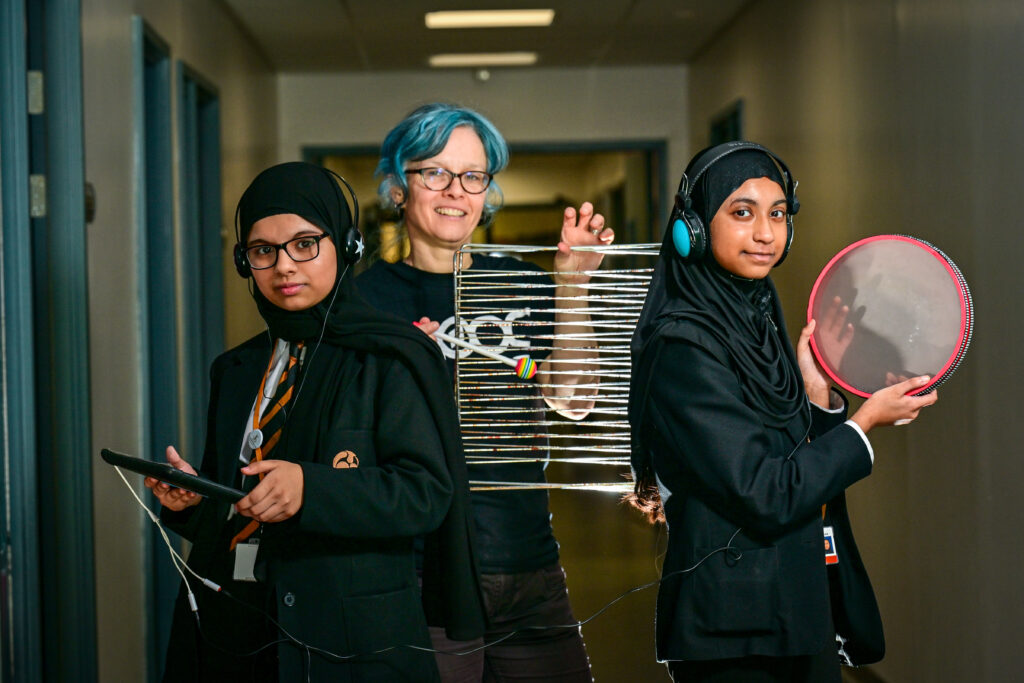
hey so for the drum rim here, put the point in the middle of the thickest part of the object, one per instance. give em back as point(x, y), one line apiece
point(965, 302)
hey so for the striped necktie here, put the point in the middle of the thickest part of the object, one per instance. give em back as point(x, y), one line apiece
point(271, 422)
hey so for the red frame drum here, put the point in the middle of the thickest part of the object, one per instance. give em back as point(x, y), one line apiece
point(890, 307)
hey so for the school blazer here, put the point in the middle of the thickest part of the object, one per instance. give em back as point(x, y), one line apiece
point(340, 575)
point(730, 481)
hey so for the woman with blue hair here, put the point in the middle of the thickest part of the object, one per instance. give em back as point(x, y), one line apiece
point(437, 167)
point(425, 132)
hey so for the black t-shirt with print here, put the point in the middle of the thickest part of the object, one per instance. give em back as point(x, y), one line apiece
point(513, 527)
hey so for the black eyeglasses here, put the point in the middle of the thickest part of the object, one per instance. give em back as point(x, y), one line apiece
point(473, 182)
point(299, 249)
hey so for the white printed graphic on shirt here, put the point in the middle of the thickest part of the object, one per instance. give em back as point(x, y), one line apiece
point(471, 327)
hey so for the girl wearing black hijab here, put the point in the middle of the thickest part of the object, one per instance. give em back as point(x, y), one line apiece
point(743, 447)
point(368, 458)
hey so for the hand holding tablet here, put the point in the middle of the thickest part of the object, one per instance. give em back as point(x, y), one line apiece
point(184, 478)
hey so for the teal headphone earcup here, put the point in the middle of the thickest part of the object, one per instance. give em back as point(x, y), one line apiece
point(688, 236)
point(681, 237)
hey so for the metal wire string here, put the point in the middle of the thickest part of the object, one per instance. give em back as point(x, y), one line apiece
point(501, 424)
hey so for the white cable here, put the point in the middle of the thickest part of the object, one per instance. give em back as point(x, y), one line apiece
point(176, 558)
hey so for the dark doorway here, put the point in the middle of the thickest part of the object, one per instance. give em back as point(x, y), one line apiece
point(155, 235)
point(200, 215)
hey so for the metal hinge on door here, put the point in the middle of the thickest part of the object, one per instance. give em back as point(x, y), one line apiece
point(37, 195)
point(34, 92)
point(36, 181)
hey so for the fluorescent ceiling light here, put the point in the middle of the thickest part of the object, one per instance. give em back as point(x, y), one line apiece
point(484, 59)
point(496, 18)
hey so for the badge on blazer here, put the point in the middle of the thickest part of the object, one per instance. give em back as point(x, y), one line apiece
point(831, 556)
point(346, 460)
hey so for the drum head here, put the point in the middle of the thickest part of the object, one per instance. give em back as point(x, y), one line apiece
point(888, 308)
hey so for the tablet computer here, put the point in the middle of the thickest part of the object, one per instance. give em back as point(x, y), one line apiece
point(166, 473)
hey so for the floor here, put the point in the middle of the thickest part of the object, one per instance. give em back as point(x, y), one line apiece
point(607, 549)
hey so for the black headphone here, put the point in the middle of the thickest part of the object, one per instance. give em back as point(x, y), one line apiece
point(689, 234)
point(350, 249)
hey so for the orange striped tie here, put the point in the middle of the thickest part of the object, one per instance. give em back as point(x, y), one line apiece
point(271, 423)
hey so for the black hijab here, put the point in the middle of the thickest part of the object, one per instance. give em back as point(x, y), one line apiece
point(342, 317)
point(702, 301)
point(450, 584)
point(310, 192)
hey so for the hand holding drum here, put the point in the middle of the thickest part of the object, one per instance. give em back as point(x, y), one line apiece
point(890, 319)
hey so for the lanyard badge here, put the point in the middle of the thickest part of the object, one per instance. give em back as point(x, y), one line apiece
point(831, 556)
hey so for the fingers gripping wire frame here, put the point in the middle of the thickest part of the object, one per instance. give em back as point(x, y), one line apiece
point(309, 651)
point(574, 409)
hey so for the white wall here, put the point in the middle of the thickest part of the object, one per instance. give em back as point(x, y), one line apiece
point(208, 40)
point(903, 116)
point(541, 105)
point(526, 105)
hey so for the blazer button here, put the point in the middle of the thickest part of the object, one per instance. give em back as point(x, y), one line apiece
point(288, 599)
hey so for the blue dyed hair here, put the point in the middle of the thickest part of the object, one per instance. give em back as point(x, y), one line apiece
point(423, 134)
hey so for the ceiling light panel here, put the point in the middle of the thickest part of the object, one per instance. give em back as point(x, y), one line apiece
point(484, 59)
point(498, 18)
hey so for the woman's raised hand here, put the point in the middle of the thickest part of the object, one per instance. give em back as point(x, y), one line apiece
point(171, 497)
point(837, 331)
point(580, 229)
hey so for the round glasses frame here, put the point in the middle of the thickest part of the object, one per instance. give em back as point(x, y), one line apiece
point(302, 257)
point(438, 179)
